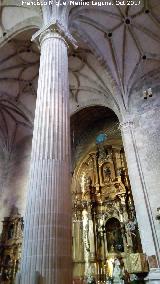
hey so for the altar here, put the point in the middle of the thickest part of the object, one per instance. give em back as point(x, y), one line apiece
point(106, 241)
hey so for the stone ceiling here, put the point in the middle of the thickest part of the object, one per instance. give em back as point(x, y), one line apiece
point(118, 45)
point(126, 39)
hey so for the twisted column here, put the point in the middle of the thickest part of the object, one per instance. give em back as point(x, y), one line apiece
point(47, 255)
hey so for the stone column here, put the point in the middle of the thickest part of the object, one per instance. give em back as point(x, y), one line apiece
point(47, 255)
point(147, 133)
point(142, 204)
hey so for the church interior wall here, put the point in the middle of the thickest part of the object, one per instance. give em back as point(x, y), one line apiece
point(145, 114)
point(93, 83)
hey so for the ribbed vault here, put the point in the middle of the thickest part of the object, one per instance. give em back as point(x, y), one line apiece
point(124, 38)
point(119, 46)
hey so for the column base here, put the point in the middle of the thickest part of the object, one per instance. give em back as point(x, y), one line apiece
point(27, 278)
point(153, 277)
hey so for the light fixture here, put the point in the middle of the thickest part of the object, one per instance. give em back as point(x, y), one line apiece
point(150, 92)
point(147, 93)
point(158, 215)
point(101, 138)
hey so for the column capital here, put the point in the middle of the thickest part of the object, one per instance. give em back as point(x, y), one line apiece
point(55, 29)
point(126, 124)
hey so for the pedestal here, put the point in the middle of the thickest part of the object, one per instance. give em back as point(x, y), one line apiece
point(153, 276)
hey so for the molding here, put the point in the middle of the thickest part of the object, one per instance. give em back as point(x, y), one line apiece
point(126, 124)
point(54, 29)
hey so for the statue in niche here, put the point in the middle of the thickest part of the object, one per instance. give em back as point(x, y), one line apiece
point(10, 231)
point(120, 172)
point(114, 236)
point(102, 155)
point(88, 181)
point(8, 260)
point(100, 240)
point(92, 193)
point(87, 186)
point(107, 173)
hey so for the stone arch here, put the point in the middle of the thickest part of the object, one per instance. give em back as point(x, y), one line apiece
point(86, 116)
point(94, 103)
point(23, 19)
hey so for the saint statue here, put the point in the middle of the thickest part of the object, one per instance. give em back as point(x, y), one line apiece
point(117, 272)
point(91, 280)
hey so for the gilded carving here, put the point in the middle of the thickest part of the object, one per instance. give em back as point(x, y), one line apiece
point(102, 197)
point(10, 247)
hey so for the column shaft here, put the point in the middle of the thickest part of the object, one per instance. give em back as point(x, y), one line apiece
point(143, 211)
point(47, 233)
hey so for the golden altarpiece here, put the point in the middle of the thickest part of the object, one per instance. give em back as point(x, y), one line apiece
point(10, 247)
point(104, 227)
point(104, 220)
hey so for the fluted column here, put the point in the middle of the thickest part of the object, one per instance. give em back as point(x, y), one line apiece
point(47, 253)
point(142, 203)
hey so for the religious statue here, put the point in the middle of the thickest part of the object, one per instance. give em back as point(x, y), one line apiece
point(91, 280)
point(114, 235)
point(117, 272)
point(107, 173)
point(90, 277)
point(10, 231)
point(133, 278)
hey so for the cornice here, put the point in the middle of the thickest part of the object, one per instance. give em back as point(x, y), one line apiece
point(55, 29)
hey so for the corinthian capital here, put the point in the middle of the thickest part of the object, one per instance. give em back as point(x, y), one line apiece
point(54, 29)
point(126, 124)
